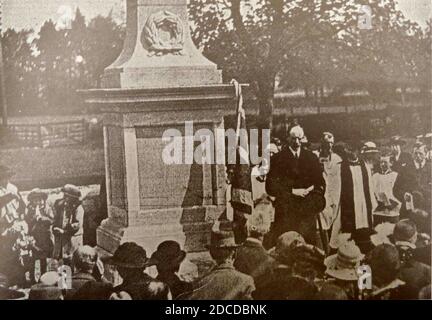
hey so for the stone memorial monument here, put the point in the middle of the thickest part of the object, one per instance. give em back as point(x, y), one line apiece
point(159, 82)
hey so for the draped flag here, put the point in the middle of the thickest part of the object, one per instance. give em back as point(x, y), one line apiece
point(241, 192)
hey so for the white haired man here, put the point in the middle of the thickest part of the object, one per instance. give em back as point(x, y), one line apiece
point(296, 180)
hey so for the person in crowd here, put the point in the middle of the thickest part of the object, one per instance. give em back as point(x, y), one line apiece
point(413, 187)
point(296, 180)
point(39, 217)
point(131, 261)
point(363, 238)
point(415, 274)
point(297, 266)
point(14, 243)
point(423, 174)
point(425, 293)
point(342, 268)
point(330, 162)
point(400, 159)
point(47, 288)
point(384, 262)
point(68, 224)
point(251, 258)
point(370, 155)
point(357, 200)
point(427, 140)
point(83, 261)
point(383, 181)
point(223, 282)
point(152, 290)
point(330, 291)
point(167, 259)
point(95, 290)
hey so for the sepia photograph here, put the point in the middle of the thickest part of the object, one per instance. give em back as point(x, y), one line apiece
point(234, 151)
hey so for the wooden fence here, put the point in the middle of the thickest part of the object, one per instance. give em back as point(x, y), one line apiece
point(49, 134)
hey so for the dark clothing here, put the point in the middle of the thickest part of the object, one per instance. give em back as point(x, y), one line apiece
point(223, 283)
point(423, 254)
point(94, 290)
point(404, 159)
point(416, 275)
point(176, 285)
point(137, 287)
point(347, 199)
point(288, 173)
point(78, 280)
point(283, 285)
point(252, 259)
point(70, 219)
point(412, 179)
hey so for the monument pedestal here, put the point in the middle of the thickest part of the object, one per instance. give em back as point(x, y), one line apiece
point(159, 82)
point(150, 201)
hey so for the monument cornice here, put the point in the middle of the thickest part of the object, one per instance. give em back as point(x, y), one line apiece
point(157, 95)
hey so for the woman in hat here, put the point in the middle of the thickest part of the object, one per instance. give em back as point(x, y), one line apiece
point(40, 217)
point(342, 268)
point(370, 155)
point(68, 224)
point(167, 259)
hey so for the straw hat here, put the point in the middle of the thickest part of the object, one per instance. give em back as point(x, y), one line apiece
point(369, 147)
point(343, 265)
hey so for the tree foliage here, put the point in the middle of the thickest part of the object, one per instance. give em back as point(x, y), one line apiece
point(44, 70)
point(311, 45)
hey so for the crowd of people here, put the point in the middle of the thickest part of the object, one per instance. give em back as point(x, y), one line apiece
point(320, 217)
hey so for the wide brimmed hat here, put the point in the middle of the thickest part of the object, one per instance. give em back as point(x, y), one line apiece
point(397, 140)
point(37, 194)
point(71, 191)
point(369, 147)
point(343, 265)
point(285, 245)
point(6, 172)
point(222, 235)
point(129, 255)
point(168, 253)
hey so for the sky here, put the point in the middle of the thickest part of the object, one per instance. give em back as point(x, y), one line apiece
point(31, 14)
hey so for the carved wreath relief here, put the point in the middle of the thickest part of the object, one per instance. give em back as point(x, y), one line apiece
point(163, 33)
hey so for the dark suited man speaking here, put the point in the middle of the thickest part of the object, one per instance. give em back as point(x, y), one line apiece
point(296, 180)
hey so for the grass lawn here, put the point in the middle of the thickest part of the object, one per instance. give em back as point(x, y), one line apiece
point(52, 167)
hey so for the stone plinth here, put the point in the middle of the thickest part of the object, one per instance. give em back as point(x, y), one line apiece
point(150, 201)
point(158, 49)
